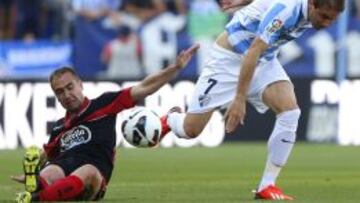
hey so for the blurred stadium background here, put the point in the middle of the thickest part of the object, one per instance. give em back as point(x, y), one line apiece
point(114, 43)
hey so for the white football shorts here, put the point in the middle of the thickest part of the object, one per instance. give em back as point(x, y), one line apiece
point(216, 86)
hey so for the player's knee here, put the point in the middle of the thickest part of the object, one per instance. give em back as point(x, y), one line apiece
point(92, 179)
point(52, 173)
point(88, 174)
point(288, 120)
point(92, 174)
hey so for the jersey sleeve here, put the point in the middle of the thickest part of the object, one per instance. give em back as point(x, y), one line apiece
point(114, 102)
point(279, 17)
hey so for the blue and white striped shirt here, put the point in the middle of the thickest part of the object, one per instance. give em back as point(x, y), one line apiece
point(276, 22)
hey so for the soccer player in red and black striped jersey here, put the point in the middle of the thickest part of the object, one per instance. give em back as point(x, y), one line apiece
point(79, 154)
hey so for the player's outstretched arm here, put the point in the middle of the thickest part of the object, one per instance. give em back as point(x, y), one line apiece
point(235, 113)
point(231, 6)
point(155, 81)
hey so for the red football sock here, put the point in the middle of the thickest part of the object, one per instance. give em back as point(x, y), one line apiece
point(165, 128)
point(68, 188)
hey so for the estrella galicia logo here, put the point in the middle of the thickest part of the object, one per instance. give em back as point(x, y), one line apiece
point(275, 26)
point(74, 137)
point(204, 100)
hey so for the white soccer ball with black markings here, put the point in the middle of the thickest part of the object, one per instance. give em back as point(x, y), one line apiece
point(142, 128)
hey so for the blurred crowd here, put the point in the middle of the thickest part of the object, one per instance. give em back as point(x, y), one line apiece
point(53, 19)
point(22, 19)
point(29, 20)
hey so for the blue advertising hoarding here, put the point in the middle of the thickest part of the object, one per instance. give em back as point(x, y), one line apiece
point(33, 59)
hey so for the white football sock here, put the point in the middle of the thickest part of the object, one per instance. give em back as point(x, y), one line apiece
point(280, 144)
point(176, 122)
point(271, 172)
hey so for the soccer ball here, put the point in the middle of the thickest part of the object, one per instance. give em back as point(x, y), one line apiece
point(142, 128)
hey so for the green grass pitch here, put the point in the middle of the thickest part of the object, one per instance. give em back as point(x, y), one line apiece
point(315, 173)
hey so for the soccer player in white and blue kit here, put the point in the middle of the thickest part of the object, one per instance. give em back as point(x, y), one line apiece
point(243, 67)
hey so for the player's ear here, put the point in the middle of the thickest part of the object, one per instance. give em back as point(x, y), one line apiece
point(81, 84)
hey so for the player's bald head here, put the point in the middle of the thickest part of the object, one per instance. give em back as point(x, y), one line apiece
point(61, 71)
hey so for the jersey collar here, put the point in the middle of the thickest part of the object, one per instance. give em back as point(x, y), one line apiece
point(71, 117)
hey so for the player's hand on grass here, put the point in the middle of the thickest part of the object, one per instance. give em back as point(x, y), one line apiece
point(184, 57)
point(235, 114)
point(18, 178)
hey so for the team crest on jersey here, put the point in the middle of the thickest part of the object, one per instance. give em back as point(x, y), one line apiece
point(275, 26)
point(204, 100)
point(74, 137)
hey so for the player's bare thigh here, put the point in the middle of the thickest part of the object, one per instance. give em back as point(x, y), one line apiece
point(280, 97)
point(91, 178)
point(52, 173)
point(195, 123)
